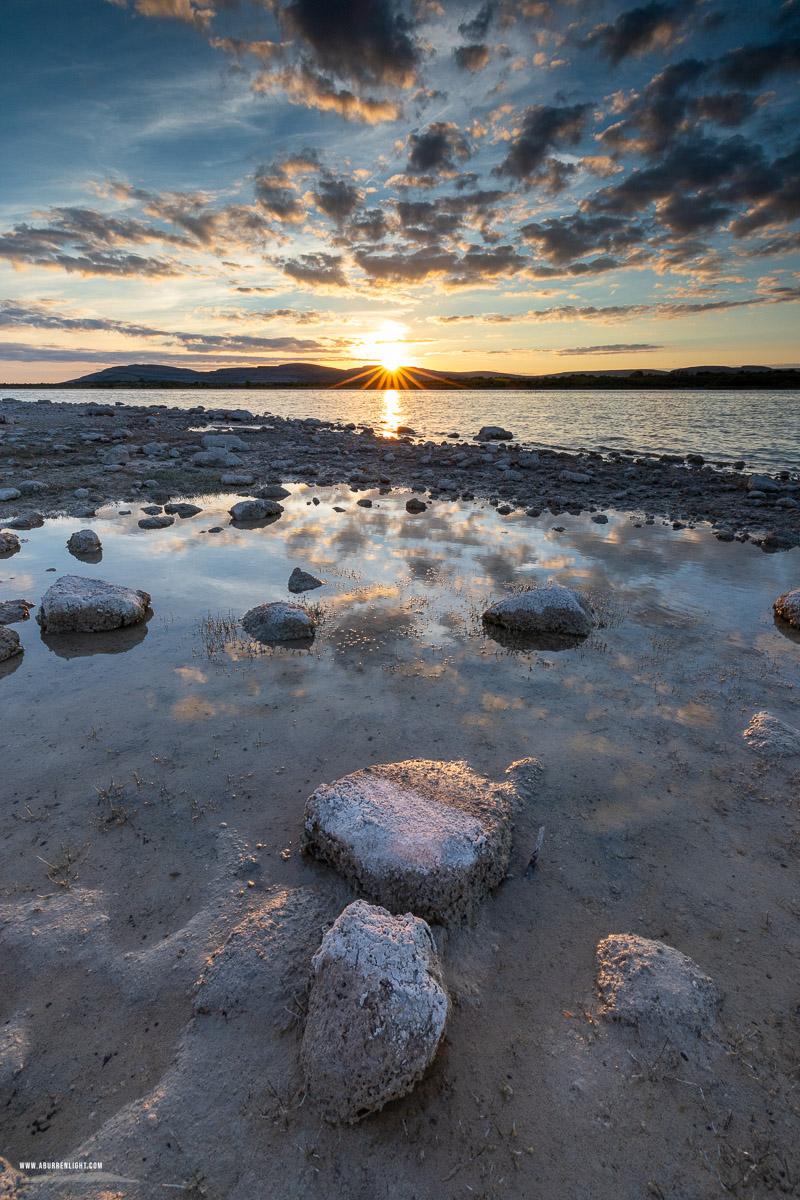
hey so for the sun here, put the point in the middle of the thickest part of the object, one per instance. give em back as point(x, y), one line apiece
point(386, 346)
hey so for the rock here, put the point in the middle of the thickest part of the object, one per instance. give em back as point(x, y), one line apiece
point(154, 449)
point(10, 493)
point(574, 477)
point(152, 510)
point(9, 542)
point(179, 509)
point(493, 433)
point(90, 605)
point(723, 535)
point(695, 460)
point(224, 441)
point(278, 622)
point(787, 607)
point(216, 458)
point(771, 737)
point(29, 520)
point(416, 506)
point(406, 430)
point(255, 510)
point(273, 491)
point(376, 1012)
point(430, 837)
point(301, 581)
point(29, 487)
point(365, 503)
point(233, 480)
point(85, 541)
point(551, 609)
point(655, 987)
point(600, 519)
point(156, 522)
point(12, 611)
point(762, 483)
point(81, 493)
point(9, 643)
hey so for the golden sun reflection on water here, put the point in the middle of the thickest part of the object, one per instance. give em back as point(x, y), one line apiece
point(392, 408)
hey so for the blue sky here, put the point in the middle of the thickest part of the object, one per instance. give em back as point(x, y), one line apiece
point(514, 184)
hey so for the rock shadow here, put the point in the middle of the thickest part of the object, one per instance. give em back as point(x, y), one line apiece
point(787, 629)
point(107, 641)
point(514, 640)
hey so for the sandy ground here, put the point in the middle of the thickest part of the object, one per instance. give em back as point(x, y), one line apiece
point(153, 790)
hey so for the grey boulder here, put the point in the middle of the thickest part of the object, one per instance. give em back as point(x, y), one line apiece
point(9, 643)
point(156, 522)
point(84, 541)
point(255, 510)
point(9, 542)
point(278, 622)
point(376, 1012)
point(787, 607)
point(554, 609)
point(90, 605)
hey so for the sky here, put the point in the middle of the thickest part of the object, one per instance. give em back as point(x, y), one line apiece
point(519, 185)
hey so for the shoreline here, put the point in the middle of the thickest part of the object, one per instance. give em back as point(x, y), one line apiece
point(50, 452)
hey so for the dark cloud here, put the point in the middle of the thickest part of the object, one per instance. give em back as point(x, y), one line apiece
point(612, 314)
point(424, 221)
point(729, 108)
point(337, 198)
point(619, 348)
point(471, 268)
point(564, 239)
point(316, 270)
point(475, 30)
point(367, 41)
point(638, 30)
point(651, 119)
point(370, 226)
point(750, 65)
point(472, 58)
point(542, 128)
point(436, 148)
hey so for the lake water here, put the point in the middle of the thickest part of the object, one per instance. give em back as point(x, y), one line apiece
point(761, 427)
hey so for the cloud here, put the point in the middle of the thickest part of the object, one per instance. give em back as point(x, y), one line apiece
point(542, 128)
point(612, 314)
point(653, 117)
point(473, 57)
point(475, 267)
point(620, 348)
point(638, 31)
point(750, 65)
point(302, 86)
point(366, 41)
point(436, 148)
point(276, 190)
point(476, 29)
point(563, 239)
point(316, 270)
point(180, 10)
point(337, 198)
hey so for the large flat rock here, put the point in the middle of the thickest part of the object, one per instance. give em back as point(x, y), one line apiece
point(430, 837)
point(90, 605)
point(376, 1012)
point(555, 610)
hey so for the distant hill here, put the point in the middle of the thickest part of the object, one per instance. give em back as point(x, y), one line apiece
point(314, 375)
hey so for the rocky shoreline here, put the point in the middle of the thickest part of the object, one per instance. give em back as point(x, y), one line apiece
point(73, 458)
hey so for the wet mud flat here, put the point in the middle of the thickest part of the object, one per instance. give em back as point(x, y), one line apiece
point(153, 793)
point(62, 457)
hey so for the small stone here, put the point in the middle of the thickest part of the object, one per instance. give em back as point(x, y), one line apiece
point(278, 622)
point(771, 737)
point(377, 1010)
point(654, 987)
point(490, 433)
point(10, 493)
point(84, 541)
point(416, 506)
point(600, 519)
point(9, 643)
point(9, 542)
point(273, 491)
point(12, 611)
point(255, 510)
point(29, 520)
point(365, 503)
point(787, 607)
point(156, 522)
point(179, 509)
point(302, 581)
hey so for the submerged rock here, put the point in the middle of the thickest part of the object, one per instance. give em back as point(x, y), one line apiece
point(156, 522)
point(9, 643)
point(90, 605)
point(9, 542)
point(255, 510)
point(655, 987)
point(432, 837)
point(182, 510)
point(376, 1012)
point(278, 622)
point(552, 609)
point(84, 541)
point(302, 581)
point(12, 611)
point(768, 735)
point(787, 607)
